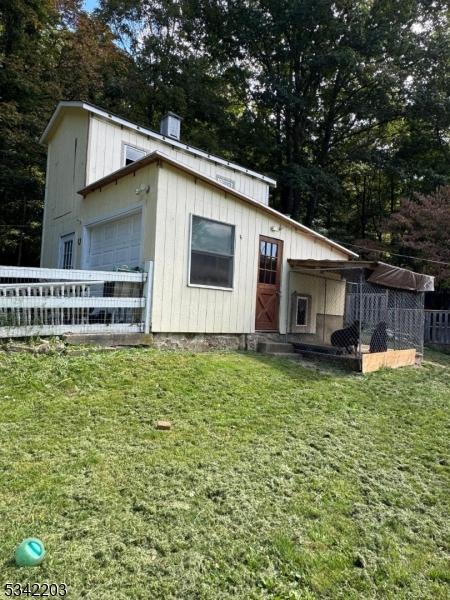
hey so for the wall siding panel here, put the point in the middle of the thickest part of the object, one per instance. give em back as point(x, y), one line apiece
point(66, 169)
point(182, 308)
point(106, 149)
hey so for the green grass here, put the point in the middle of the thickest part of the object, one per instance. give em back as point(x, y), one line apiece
point(437, 357)
point(276, 481)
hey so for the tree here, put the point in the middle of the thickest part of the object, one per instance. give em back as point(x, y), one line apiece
point(25, 55)
point(320, 85)
point(344, 102)
point(48, 51)
point(420, 227)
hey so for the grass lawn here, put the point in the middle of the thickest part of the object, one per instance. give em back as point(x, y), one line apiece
point(276, 481)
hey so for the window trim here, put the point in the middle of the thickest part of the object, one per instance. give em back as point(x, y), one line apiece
point(62, 240)
point(309, 327)
point(124, 152)
point(201, 285)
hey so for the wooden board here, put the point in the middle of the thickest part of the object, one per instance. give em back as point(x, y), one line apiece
point(268, 283)
point(391, 359)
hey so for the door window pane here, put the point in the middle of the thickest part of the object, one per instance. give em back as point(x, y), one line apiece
point(268, 262)
point(66, 252)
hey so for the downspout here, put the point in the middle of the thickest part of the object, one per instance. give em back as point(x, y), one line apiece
point(288, 308)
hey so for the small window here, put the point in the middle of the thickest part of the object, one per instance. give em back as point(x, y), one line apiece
point(212, 253)
point(226, 181)
point(131, 154)
point(302, 311)
point(66, 251)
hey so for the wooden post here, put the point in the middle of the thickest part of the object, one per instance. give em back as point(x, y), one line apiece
point(148, 294)
point(359, 350)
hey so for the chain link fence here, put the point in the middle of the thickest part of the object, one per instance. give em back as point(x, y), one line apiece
point(350, 316)
point(386, 318)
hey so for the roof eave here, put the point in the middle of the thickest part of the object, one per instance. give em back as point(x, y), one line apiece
point(157, 155)
point(125, 123)
point(55, 116)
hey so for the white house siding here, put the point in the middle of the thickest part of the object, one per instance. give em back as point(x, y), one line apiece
point(180, 308)
point(106, 141)
point(119, 199)
point(329, 302)
point(66, 168)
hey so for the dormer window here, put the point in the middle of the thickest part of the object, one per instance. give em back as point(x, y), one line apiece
point(131, 154)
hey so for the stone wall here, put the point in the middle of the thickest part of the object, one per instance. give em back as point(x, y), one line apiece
point(194, 342)
point(198, 342)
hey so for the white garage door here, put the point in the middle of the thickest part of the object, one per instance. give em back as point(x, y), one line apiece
point(115, 244)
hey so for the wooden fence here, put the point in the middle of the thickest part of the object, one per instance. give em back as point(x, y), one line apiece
point(437, 326)
point(35, 302)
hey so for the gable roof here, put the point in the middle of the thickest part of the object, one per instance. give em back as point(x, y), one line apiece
point(91, 108)
point(160, 156)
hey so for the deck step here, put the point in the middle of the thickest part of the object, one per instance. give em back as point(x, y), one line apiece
point(289, 355)
point(323, 349)
point(271, 347)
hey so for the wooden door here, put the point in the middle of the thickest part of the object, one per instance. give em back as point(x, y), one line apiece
point(268, 286)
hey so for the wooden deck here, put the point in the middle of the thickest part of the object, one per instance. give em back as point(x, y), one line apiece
point(366, 363)
point(392, 359)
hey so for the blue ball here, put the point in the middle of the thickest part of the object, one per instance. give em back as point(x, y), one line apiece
point(30, 552)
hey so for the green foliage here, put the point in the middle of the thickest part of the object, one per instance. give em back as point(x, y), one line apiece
point(24, 64)
point(276, 481)
point(421, 228)
point(344, 103)
point(46, 55)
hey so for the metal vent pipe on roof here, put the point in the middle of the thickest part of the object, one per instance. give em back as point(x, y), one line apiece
point(170, 126)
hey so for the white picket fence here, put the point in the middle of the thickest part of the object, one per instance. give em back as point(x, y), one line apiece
point(43, 302)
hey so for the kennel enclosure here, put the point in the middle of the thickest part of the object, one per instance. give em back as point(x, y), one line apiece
point(365, 310)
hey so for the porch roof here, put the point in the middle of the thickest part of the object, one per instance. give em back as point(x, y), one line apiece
point(381, 273)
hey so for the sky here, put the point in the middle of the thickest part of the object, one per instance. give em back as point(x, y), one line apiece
point(90, 4)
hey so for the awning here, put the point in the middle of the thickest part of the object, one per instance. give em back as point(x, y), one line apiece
point(395, 277)
point(380, 273)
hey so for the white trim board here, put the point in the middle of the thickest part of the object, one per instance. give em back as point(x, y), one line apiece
point(49, 302)
point(113, 216)
point(71, 275)
point(40, 330)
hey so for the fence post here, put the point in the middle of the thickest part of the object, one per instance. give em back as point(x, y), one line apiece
point(361, 279)
point(148, 294)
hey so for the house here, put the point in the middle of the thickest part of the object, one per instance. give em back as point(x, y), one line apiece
point(118, 194)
